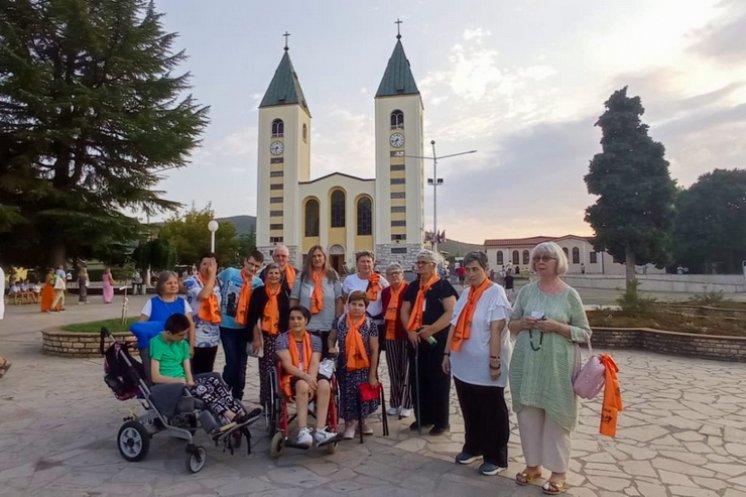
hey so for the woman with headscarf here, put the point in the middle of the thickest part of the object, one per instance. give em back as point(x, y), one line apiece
point(549, 321)
point(268, 317)
point(426, 309)
point(319, 290)
point(478, 356)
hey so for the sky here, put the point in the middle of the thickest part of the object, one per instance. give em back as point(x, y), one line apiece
point(523, 83)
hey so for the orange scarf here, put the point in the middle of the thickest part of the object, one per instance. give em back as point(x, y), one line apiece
point(612, 403)
point(290, 276)
point(271, 317)
point(462, 331)
point(390, 316)
point(242, 309)
point(293, 349)
point(415, 319)
point(374, 286)
point(317, 296)
point(209, 309)
point(357, 357)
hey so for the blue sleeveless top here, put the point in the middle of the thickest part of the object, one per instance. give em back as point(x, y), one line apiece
point(161, 311)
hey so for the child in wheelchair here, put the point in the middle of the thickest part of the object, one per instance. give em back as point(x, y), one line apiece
point(300, 353)
point(169, 363)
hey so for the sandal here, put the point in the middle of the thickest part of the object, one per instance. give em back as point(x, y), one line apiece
point(5, 366)
point(554, 487)
point(524, 478)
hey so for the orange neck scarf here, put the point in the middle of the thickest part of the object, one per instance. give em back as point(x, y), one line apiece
point(415, 318)
point(242, 308)
point(391, 313)
point(290, 276)
point(612, 403)
point(357, 357)
point(209, 309)
point(462, 331)
point(293, 349)
point(374, 286)
point(271, 321)
point(317, 296)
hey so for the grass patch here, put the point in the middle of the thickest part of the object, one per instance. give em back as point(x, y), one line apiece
point(113, 325)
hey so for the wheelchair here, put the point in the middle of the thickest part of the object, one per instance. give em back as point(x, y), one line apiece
point(279, 419)
point(169, 409)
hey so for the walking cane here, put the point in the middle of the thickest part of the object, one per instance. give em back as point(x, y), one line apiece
point(417, 387)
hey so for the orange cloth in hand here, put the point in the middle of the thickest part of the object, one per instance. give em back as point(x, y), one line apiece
point(295, 359)
point(415, 317)
point(317, 296)
point(290, 276)
point(462, 331)
point(355, 353)
point(209, 309)
point(271, 316)
point(374, 286)
point(242, 309)
point(612, 403)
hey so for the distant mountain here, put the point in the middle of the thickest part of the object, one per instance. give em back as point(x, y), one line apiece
point(457, 249)
point(243, 224)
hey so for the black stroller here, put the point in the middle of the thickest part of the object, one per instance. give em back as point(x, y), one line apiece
point(169, 409)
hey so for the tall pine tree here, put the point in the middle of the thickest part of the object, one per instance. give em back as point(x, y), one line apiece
point(633, 216)
point(90, 111)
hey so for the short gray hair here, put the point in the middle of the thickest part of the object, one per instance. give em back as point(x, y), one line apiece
point(555, 251)
point(394, 267)
point(476, 256)
point(163, 277)
point(429, 256)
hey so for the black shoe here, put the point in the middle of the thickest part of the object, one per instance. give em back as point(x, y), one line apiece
point(243, 419)
point(439, 430)
point(414, 426)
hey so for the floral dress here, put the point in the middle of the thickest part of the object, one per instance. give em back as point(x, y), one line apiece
point(350, 380)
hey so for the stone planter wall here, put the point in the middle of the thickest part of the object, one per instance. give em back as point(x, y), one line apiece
point(71, 344)
point(721, 348)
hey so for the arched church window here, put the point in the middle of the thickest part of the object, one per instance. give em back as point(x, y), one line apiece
point(305, 133)
point(567, 254)
point(525, 257)
point(500, 260)
point(575, 255)
point(338, 209)
point(364, 217)
point(312, 217)
point(397, 119)
point(516, 257)
point(278, 128)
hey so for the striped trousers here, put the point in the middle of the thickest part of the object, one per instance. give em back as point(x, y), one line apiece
point(396, 359)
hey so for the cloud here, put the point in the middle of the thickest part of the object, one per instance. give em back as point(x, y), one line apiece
point(346, 143)
point(723, 40)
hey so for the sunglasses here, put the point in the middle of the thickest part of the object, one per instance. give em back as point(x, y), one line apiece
point(544, 258)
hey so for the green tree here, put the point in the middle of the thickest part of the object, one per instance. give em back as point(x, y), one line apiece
point(155, 254)
point(633, 215)
point(711, 222)
point(189, 238)
point(90, 111)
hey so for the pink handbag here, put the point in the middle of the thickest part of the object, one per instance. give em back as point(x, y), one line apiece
point(591, 378)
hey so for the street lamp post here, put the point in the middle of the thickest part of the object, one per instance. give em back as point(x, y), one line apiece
point(213, 227)
point(435, 181)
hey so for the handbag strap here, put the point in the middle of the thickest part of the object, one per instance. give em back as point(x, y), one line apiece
point(590, 347)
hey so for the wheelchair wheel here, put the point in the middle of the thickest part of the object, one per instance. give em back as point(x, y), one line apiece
point(196, 459)
point(275, 445)
point(133, 441)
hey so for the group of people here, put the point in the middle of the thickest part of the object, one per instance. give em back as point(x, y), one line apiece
point(311, 317)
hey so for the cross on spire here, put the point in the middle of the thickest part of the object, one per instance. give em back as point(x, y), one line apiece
point(398, 23)
point(286, 35)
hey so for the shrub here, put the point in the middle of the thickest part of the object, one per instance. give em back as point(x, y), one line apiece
point(633, 304)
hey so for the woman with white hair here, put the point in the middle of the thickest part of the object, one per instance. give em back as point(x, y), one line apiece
point(395, 342)
point(426, 309)
point(549, 321)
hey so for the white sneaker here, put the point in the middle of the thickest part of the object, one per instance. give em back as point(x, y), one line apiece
point(392, 411)
point(304, 438)
point(323, 436)
point(349, 432)
point(405, 413)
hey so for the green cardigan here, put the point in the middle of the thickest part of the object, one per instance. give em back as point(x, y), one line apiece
point(543, 378)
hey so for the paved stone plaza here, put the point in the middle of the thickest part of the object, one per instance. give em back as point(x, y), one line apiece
point(683, 433)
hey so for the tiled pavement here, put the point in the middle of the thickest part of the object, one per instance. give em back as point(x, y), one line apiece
point(683, 433)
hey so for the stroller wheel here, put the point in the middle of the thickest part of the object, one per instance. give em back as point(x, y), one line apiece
point(133, 441)
point(275, 445)
point(196, 459)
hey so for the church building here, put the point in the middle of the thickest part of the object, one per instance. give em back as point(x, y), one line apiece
point(342, 213)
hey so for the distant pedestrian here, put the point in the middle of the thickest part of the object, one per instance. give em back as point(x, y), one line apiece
point(4, 363)
point(60, 285)
point(47, 292)
point(108, 286)
point(509, 286)
point(83, 285)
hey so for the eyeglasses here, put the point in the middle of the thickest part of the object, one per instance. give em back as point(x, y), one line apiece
point(544, 258)
point(420, 263)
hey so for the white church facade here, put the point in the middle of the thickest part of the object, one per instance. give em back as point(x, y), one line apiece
point(342, 213)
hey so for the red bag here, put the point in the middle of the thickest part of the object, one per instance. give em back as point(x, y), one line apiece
point(369, 392)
